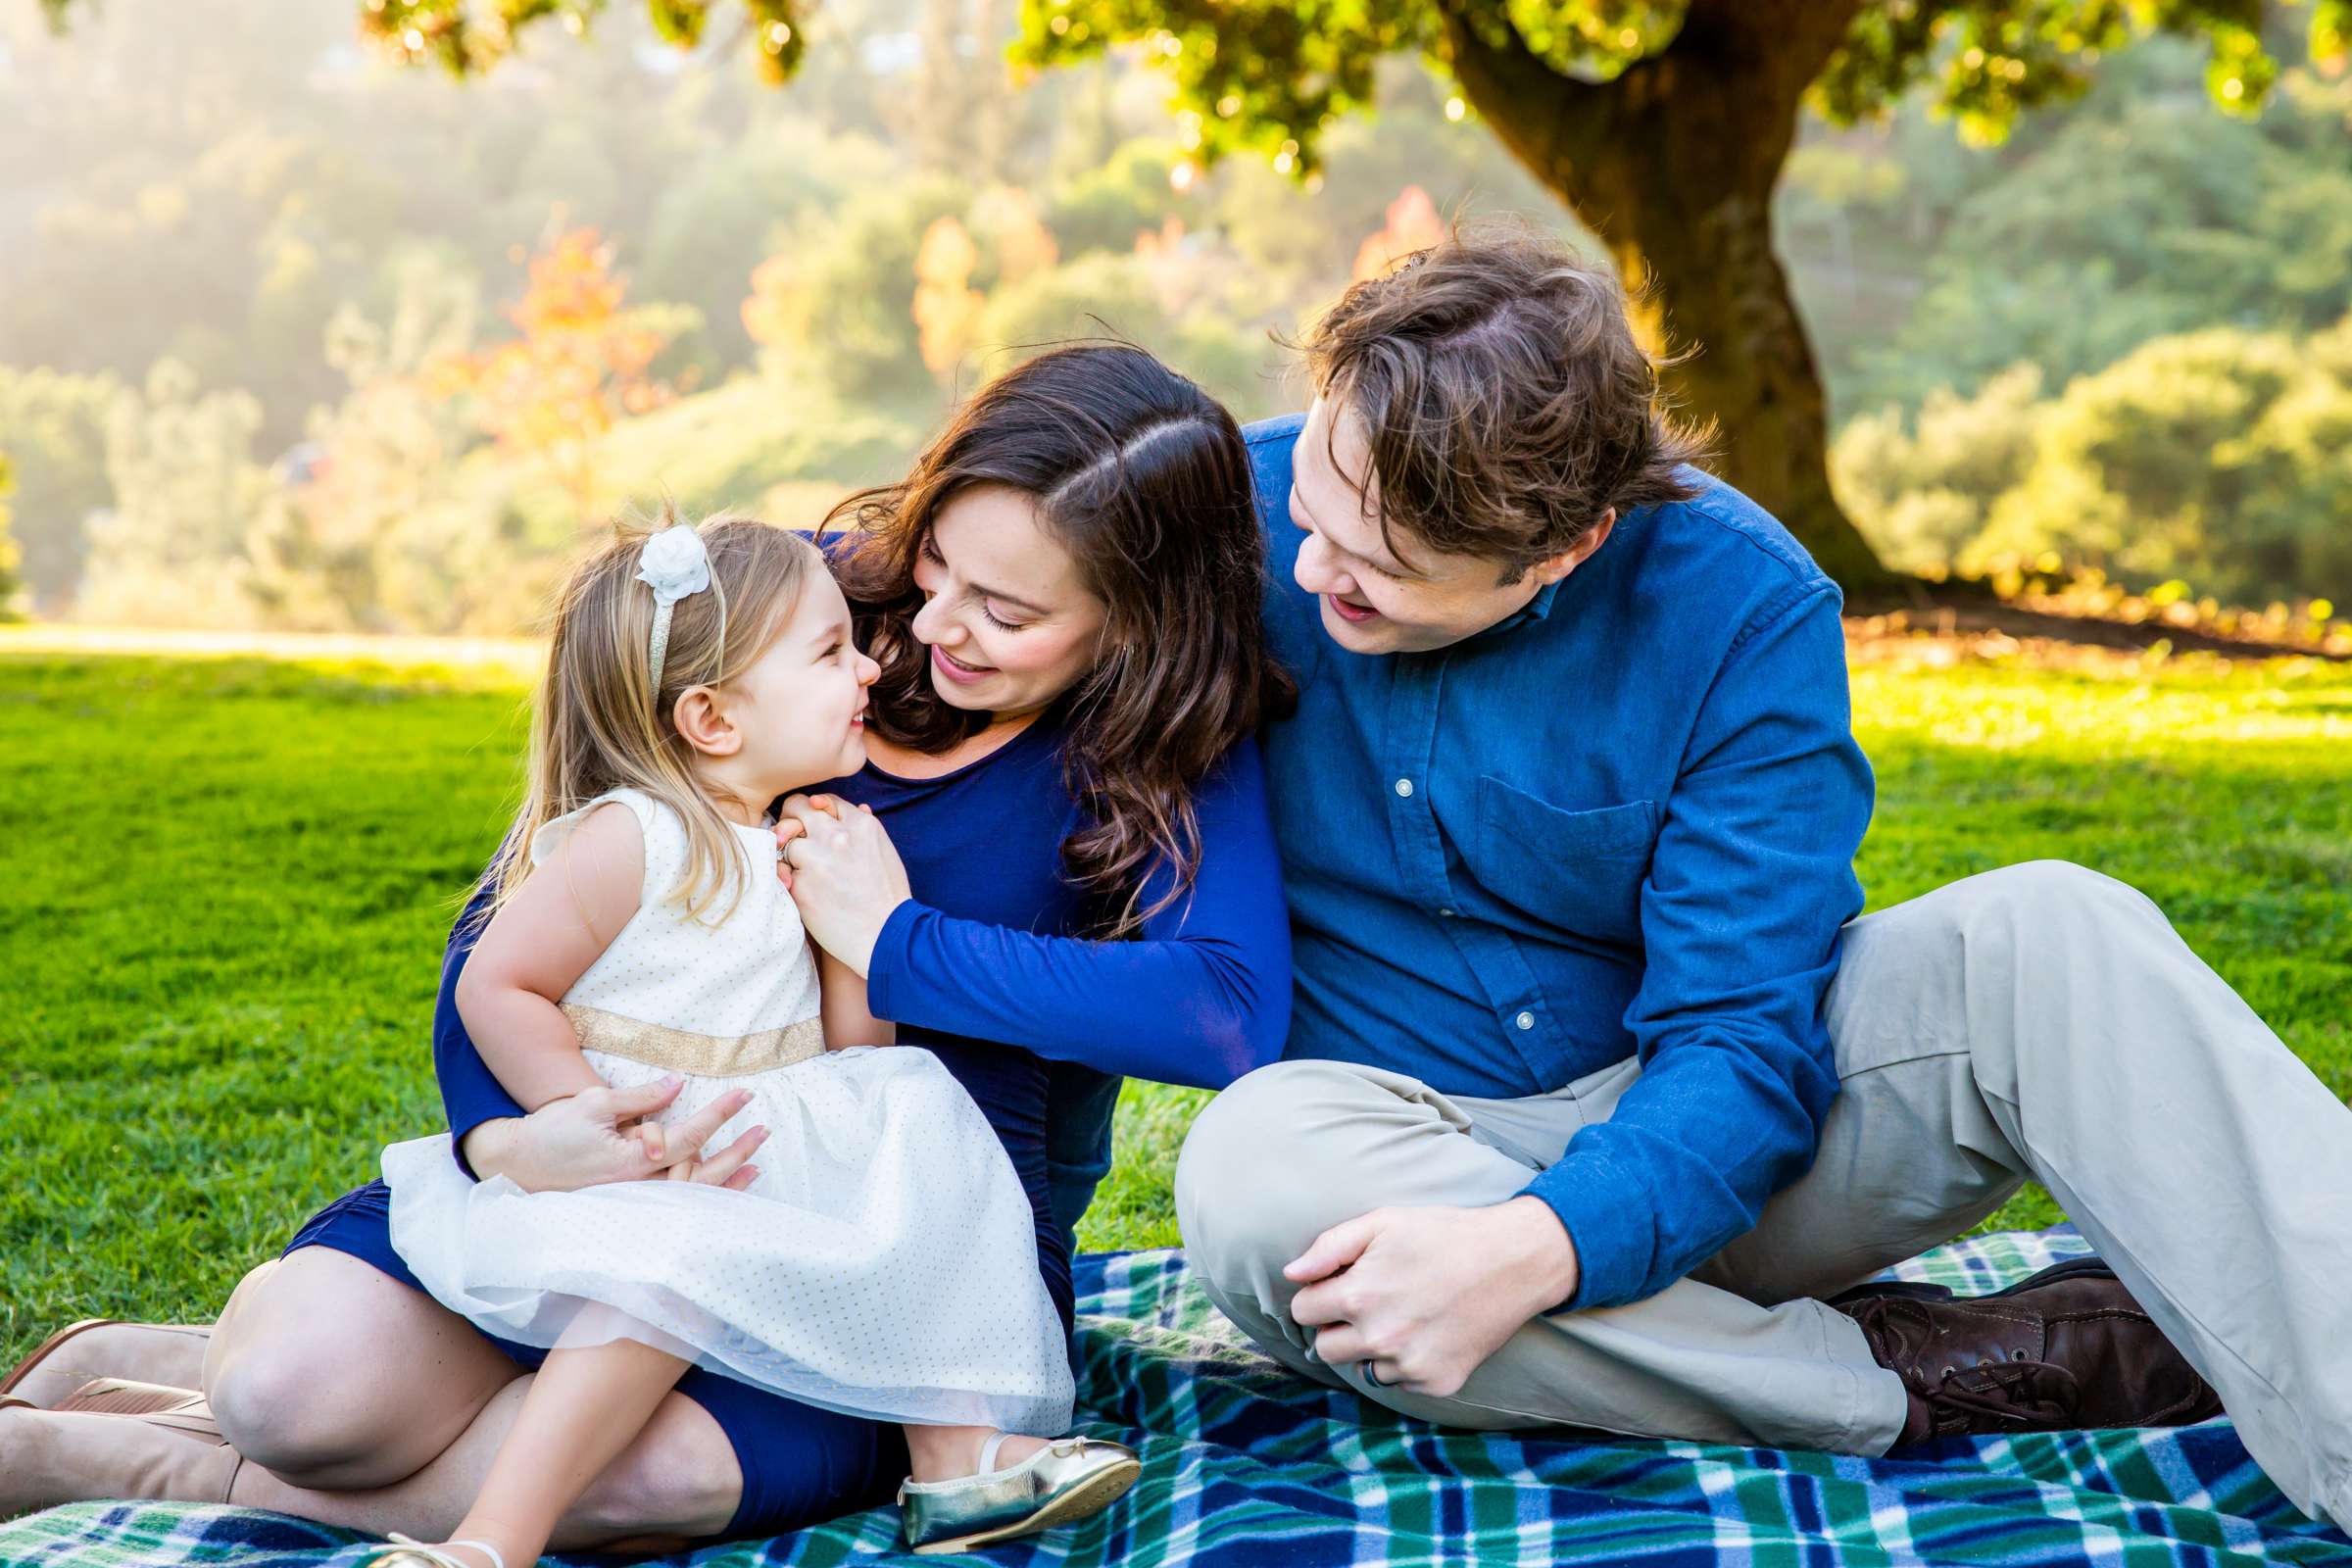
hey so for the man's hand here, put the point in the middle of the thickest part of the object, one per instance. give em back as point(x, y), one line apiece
point(601, 1135)
point(844, 874)
point(1426, 1294)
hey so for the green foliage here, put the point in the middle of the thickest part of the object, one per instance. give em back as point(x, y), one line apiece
point(1922, 489)
point(1988, 61)
point(56, 433)
point(2144, 218)
point(1128, 297)
point(318, 191)
point(754, 440)
point(175, 550)
point(10, 588)
point(368, 533)
point(855, 276)
point(1365, 163)
point(1258, 76)
point(200, 1057)
point(1271, 76)
point(468, 38)
point(723, 211)
point(213, 195)
point(1104, 207)
point(2216, 457)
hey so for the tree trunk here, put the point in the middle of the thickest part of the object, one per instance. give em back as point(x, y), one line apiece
point(1673, 165)
point(1708, 286)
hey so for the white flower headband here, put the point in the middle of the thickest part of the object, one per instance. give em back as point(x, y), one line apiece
point(674, 564)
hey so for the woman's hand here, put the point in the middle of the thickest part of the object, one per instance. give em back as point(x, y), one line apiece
point(844, 874)
point(602, 1135)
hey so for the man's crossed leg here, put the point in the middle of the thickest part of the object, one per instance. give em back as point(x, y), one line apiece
point(2039, 1021)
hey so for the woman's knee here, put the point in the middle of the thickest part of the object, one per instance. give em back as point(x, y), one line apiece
point(269, 1345)
point(679, 1479)
point(317, 1370)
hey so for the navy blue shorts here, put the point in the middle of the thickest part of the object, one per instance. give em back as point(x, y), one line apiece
point(800, 1465)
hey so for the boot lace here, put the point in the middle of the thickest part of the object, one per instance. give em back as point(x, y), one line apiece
point(2024, 1394)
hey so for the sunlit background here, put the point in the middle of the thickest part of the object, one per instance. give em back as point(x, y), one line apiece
point(293, 337)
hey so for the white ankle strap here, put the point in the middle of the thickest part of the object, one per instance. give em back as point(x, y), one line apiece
point(988, 1456)
point(439, 1555)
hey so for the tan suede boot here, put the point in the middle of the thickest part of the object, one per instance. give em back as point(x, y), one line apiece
point(169, 1353)
point(49, 1457)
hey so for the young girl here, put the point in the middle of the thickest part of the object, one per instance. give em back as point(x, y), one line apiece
point(879, 1260)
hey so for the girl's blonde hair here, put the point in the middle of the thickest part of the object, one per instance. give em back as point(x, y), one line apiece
point(598, 724)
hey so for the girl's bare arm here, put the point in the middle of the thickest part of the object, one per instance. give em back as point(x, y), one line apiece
point(561, 918)
point(847, 1019)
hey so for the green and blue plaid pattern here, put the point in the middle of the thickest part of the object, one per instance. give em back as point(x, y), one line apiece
point(1245, 1465)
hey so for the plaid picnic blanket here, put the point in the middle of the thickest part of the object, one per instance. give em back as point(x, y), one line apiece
point(1245, 1465)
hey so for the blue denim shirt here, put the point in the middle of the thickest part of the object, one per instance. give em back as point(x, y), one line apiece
point(1620, 823)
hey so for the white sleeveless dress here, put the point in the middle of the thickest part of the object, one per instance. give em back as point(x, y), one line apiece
point(884, 1264)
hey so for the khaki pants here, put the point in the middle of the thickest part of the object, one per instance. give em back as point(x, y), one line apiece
point(2039, 1021)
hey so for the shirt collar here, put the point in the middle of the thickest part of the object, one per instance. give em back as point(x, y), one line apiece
point(1536, 609)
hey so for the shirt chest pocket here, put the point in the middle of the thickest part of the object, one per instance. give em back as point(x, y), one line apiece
point(1580, 871)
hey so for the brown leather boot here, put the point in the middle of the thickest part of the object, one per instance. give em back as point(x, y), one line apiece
point(2066, 1349)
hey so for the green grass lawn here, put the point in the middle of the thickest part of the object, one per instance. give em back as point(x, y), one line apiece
point(228, 882)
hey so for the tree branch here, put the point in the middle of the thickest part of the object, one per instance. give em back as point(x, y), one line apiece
point(1549, 119)
point(1780, 45)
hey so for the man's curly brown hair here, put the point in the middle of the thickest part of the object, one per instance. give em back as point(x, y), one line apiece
point(1505, 403)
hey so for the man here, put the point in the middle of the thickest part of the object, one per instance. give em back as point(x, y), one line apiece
point(1598, 1094)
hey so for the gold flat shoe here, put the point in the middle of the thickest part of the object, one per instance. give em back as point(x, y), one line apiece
point(1063, 1481)
point(407, 1554)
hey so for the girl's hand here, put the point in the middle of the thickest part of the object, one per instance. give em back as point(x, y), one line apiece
point(845, 874)
point(601, 1135)
point(726, 1168)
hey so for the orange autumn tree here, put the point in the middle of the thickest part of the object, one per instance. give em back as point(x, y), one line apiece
point(776, 313)
point(946, 305)
point(581, 363)
point(999, 240)
point(1414, 224)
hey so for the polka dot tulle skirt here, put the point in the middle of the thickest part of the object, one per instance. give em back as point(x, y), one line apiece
point(884, 1264)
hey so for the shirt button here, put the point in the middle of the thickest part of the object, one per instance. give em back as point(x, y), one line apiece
point(1404, 786)
point(1448, 913)
point(1526, 1020)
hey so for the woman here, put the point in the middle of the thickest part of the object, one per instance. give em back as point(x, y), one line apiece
point(1065, 598)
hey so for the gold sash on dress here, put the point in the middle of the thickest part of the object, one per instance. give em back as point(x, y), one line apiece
point(703, 1055)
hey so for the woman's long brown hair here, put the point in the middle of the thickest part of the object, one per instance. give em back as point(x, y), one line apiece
point(1145, 479)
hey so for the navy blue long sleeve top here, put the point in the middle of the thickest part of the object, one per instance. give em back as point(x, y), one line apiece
point(1621, 823)
point(990, 954)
